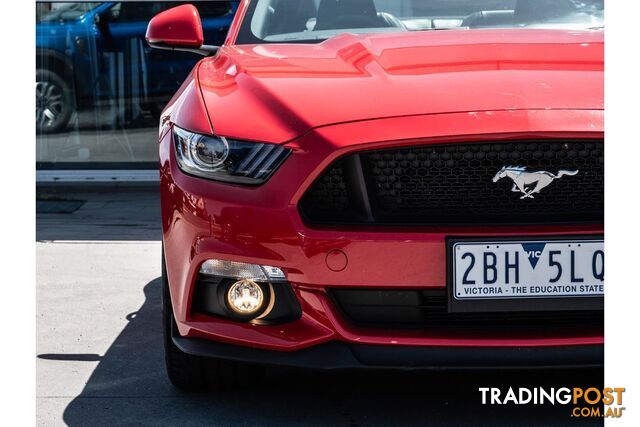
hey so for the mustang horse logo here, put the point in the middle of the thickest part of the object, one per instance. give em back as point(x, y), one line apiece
point(529, 183)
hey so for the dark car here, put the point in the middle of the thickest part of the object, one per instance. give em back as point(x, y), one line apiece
point(91, 54)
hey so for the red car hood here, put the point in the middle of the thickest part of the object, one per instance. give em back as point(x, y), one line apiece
point(276, 92)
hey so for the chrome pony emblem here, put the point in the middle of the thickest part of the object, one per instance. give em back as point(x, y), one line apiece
point(529, 183)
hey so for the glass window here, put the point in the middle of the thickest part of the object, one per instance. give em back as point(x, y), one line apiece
point(213, 8)
point(100, 89)
point(136, 11)
point(48, 12)
point(279, 21)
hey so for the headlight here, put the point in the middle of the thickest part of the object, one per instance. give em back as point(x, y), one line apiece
point(226, 160)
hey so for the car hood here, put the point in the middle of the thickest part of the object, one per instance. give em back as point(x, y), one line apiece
point(276, 92)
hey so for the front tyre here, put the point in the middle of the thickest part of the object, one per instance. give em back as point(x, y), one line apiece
point(194, 373)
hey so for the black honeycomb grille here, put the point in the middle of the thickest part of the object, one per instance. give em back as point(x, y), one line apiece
point(453, 184)
point(331, 189)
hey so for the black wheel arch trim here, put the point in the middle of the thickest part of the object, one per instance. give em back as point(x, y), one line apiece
point(42, 54)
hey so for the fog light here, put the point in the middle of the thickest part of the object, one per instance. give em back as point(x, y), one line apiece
point(245, 297)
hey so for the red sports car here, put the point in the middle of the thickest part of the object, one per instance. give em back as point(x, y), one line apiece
point(384, 184)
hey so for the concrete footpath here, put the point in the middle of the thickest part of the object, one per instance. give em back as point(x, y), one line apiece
point(100, 358)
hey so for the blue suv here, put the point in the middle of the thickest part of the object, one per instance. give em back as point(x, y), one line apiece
point(90, 55)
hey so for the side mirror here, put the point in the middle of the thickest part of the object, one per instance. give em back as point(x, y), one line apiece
point(178, 28)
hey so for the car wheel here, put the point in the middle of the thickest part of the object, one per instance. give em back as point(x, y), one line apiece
point(54, 102)
point(194, 373)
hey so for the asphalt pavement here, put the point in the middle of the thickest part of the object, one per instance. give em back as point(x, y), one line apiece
point(100, 359)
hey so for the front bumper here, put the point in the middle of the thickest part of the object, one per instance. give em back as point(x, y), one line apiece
point(262, 225)
point(340, 355)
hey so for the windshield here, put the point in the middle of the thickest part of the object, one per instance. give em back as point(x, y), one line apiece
point(280, 21)
point(67, 11)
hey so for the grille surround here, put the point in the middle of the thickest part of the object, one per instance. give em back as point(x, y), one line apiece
point(451, 184)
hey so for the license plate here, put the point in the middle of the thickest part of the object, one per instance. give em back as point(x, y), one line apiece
point(526, 270)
